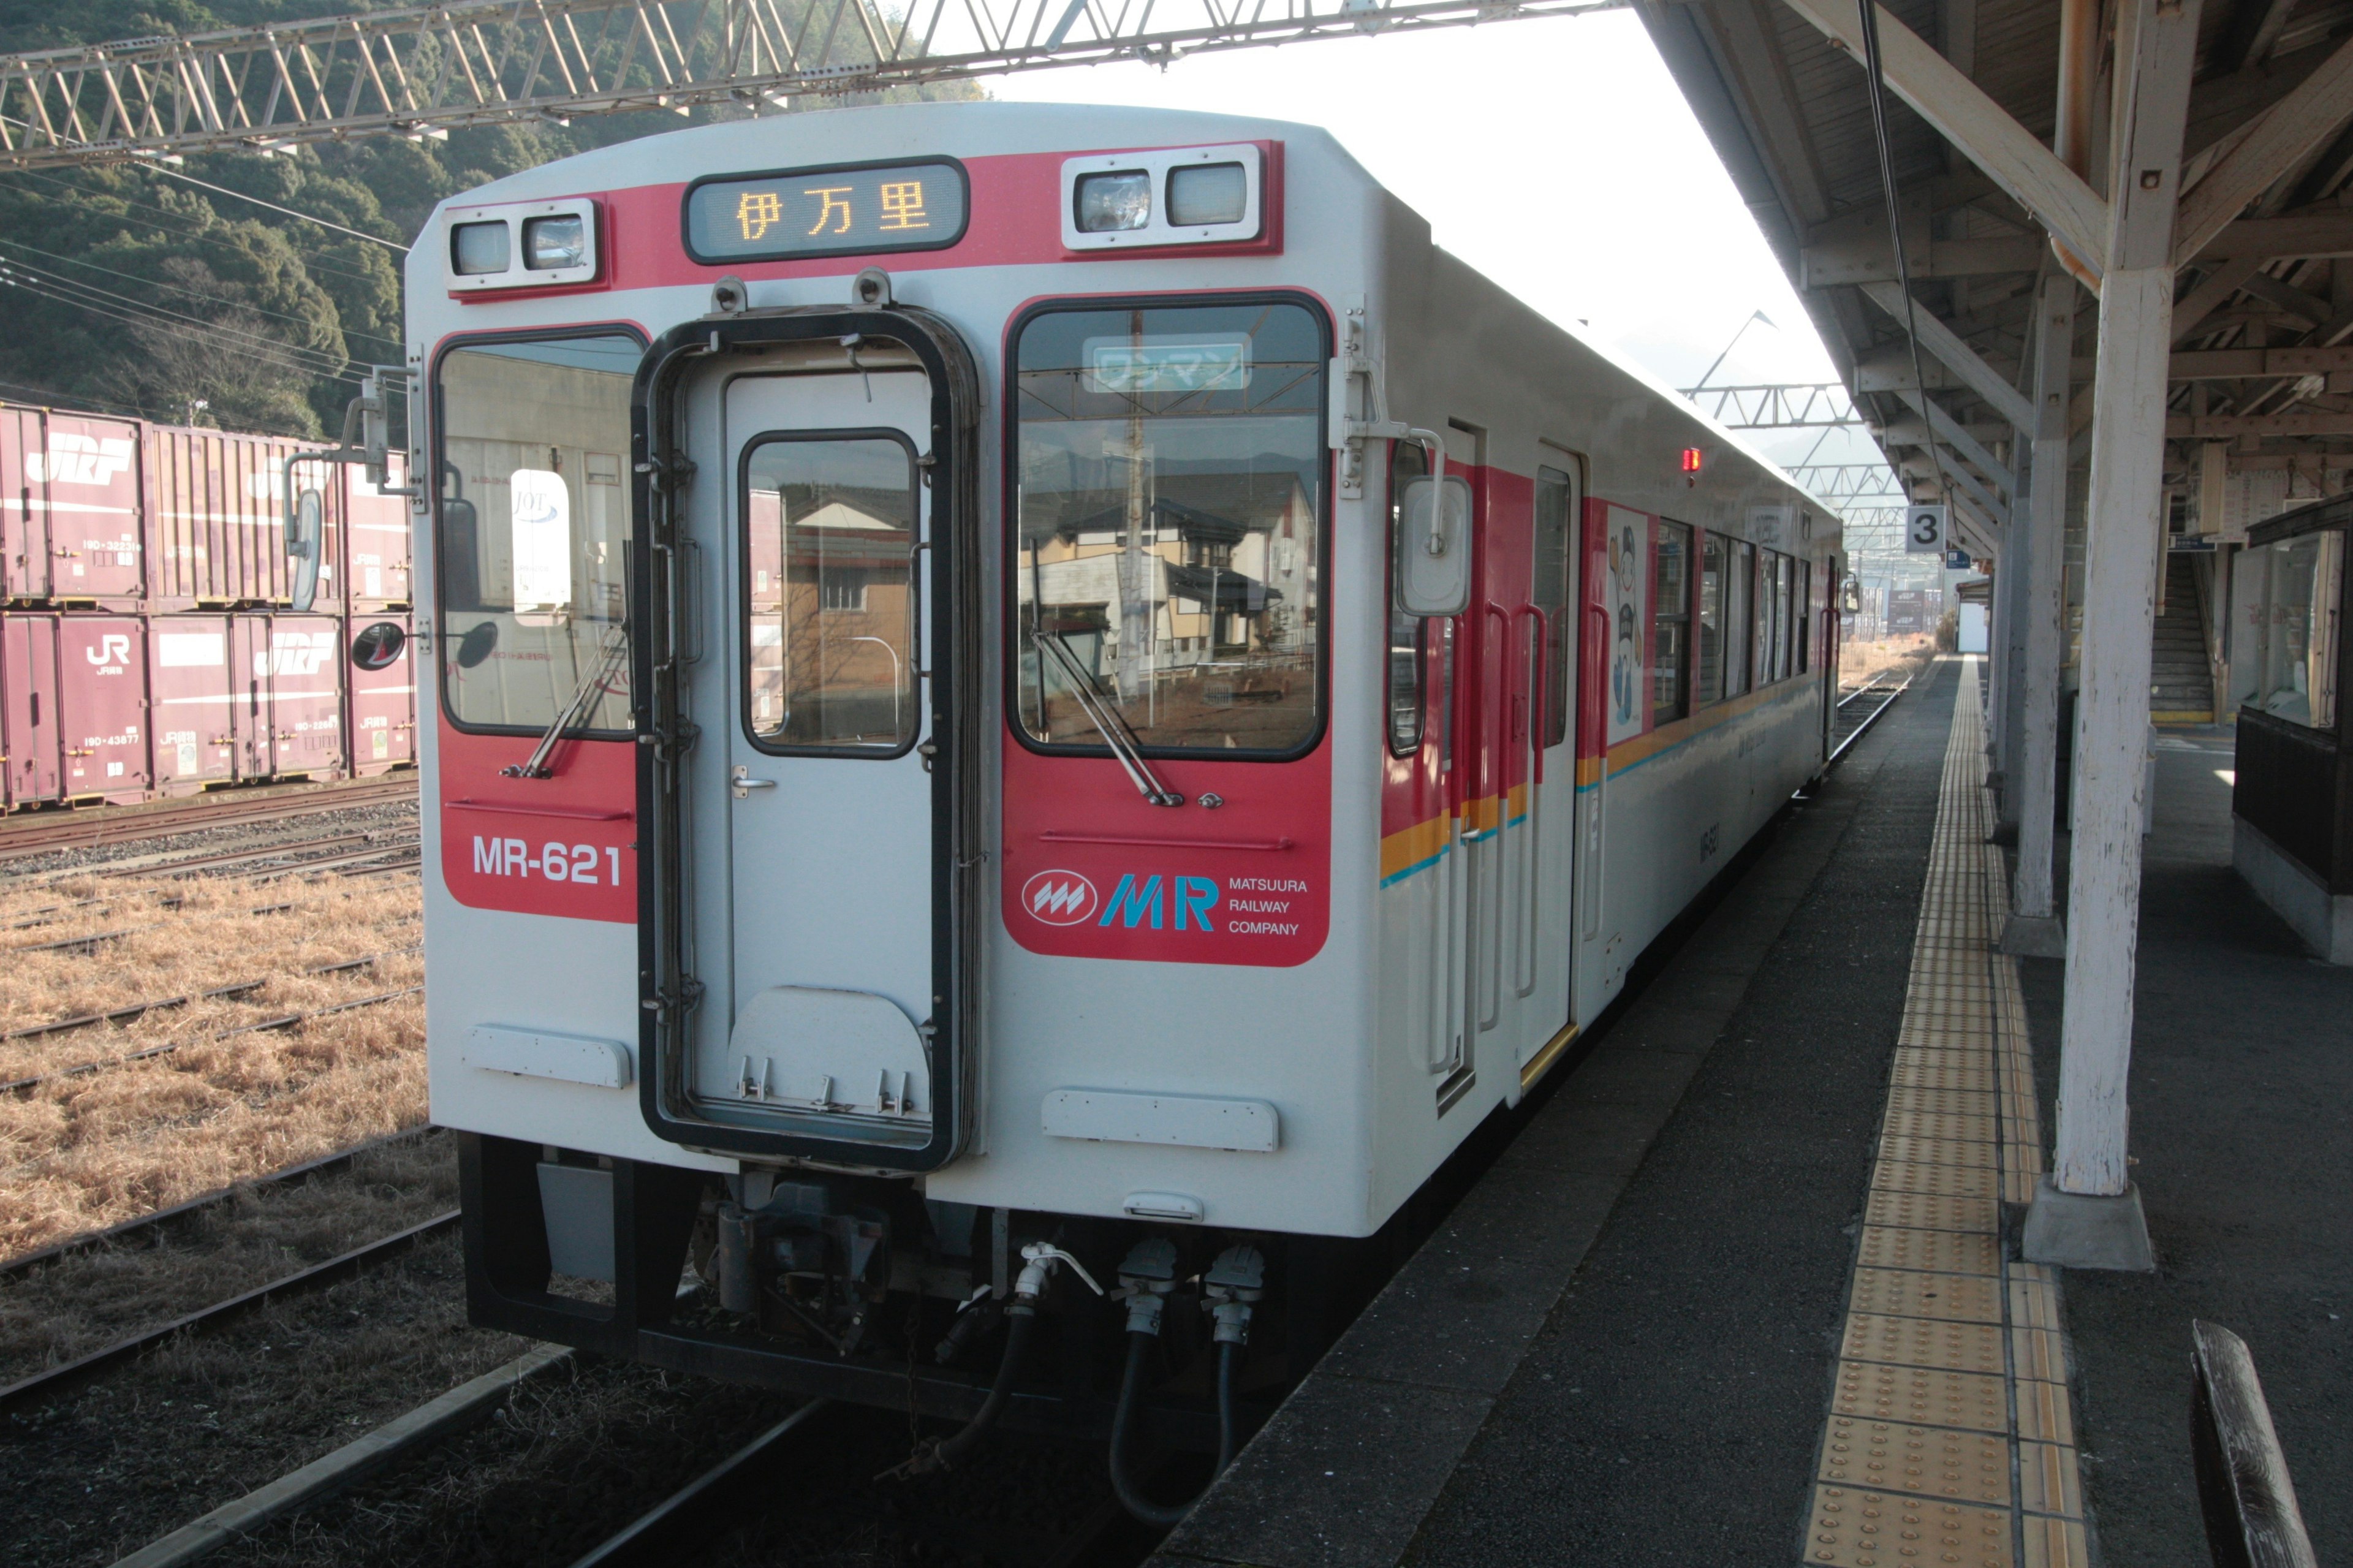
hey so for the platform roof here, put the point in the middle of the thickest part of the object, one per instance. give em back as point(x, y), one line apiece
point(2262, 312)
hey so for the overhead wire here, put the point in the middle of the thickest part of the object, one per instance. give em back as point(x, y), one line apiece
point(155, 168)
point(179, 232)
point(328, 363)
point(1874, 78)
point(11, 278)
point(181, 288)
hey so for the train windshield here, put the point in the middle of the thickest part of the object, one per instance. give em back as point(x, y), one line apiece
point(534, 532)
point(1168, 524)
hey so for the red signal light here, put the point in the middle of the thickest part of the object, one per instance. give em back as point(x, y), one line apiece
point(1691, 459)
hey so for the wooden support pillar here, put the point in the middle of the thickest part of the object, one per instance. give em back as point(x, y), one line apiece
point(2087, 1213)
point(2033, 779)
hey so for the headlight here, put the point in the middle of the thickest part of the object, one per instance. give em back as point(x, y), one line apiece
point(476, 249)
point(1116, 201)
point(549, 243)
point(1206, 193)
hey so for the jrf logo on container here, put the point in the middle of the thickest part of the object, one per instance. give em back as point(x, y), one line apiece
point(79, 460)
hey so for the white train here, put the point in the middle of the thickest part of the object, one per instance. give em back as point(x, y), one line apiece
point(1024, 685)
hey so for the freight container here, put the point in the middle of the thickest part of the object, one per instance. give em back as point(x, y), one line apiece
point(218, 518)
point(295, 676)
point(29, 711)
point(70, 533)
point(377, 542)
point(102, 706)
point(382, 705)
point(194, 691)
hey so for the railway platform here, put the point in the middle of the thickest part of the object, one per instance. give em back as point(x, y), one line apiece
point(1746, 1287)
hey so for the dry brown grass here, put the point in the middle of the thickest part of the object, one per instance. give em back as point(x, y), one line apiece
point(82, 1153)
point(98, 1295)
point(1859, 661)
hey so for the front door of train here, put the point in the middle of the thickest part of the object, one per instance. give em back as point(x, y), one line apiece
point(811, 824)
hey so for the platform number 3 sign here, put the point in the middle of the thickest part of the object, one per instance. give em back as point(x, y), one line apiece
point(1923, 531)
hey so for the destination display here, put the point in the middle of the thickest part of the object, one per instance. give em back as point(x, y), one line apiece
point(826, 212)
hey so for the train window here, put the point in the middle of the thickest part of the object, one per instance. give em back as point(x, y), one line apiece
point(1167, 517)
point(1408, 670)
point(829, 602)
point(1555, 553)
point(1707, 684)
point(1805, 598)
point(534, 529)
point(1739, 592)
point(1767, 637)
point(1671, 624)
point(1785, 619)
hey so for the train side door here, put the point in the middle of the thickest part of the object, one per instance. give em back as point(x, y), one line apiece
point(1545, 642)
point(826, 790)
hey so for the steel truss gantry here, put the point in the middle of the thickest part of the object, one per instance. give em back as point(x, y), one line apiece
point(423, 71)
point(1786, 406)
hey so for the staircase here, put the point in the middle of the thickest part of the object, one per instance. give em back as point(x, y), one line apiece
point(2181, 681)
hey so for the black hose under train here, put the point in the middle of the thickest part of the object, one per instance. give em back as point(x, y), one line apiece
point(948, 1450)
point(1122, 1427)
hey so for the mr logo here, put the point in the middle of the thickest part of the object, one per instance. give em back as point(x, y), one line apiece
point(1059, 897)
point(1132, 904)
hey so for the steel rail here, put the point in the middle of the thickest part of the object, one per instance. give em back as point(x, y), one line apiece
point(665, 1532)
point(129, 1011)
point(333, 851)
point(89, 942)
point(25, 1085)
point(97, 826)
point(1857, 733)
point(152, 1227)
point(422, 71)
point(52, 1380)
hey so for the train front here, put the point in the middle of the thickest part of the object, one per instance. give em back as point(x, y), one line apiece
point(882, 763)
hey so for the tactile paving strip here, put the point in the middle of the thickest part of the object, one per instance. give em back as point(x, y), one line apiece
point(1950, 1436)
point(1852, 1527)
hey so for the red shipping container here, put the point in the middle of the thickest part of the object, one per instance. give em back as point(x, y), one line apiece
point(376, 541)
point(295, 686)
point(195, 692)
point(70, 531)
point(218, 518)
point(28, 710)
point(102, 705)
point(384, 706)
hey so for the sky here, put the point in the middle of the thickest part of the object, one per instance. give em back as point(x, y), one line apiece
point(1556, 157)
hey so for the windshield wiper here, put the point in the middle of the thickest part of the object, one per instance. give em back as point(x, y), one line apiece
point(1106, 719)
point(613, 653)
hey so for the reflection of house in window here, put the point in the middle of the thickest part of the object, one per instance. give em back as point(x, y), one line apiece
point(842, 588)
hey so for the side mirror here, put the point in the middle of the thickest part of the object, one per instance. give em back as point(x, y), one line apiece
point(306, 531)
point(1432, 566)
point(378, 646)
point(478, 644)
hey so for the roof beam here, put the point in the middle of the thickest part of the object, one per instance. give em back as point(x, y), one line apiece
point(2235, 364)
point(2030, 172)
point(2303, 234)
point(2288, 130)
point(2229, 427)
point(1870, 261)
point(2254, 29)
point(1938, 338)
point(2212, 294)
point(1953, 433)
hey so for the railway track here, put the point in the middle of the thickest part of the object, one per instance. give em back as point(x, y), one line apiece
point(327, 854)
point(242, 988)
point(1879, 695)
point(92, 827)
point(52, 1381)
